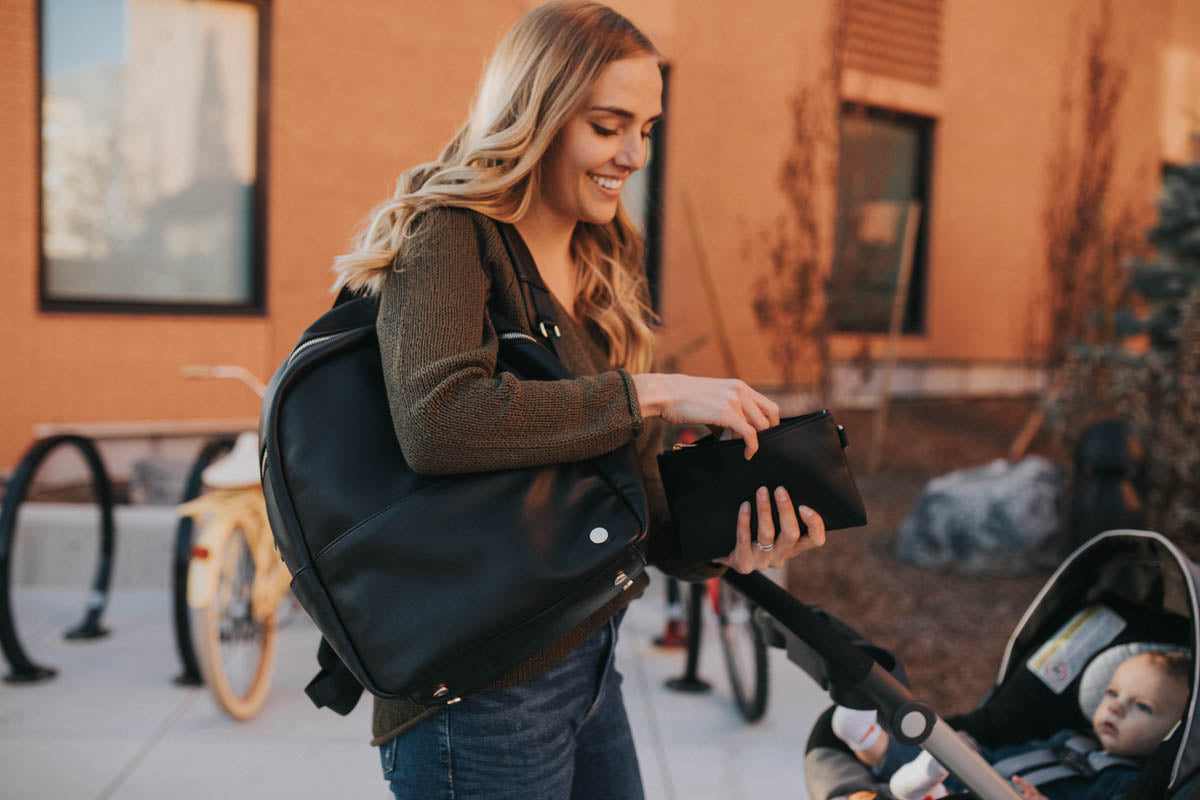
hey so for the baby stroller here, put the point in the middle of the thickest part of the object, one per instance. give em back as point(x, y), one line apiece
point(1122, 592)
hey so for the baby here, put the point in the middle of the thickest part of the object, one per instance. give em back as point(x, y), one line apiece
point(1142, 704)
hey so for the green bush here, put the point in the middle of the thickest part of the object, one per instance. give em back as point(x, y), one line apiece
point(1150, 371)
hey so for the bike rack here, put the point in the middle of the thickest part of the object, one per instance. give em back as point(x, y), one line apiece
point(23, 669)
point(690, 682)
point(190, 676)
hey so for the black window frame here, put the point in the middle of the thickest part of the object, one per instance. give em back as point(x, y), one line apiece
point(914, 322)
point(655, 194)
point(256, 306)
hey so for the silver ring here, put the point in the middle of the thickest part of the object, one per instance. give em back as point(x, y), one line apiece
point(765, 548)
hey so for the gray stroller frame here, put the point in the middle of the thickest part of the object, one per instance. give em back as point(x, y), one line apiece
point(1141, 573)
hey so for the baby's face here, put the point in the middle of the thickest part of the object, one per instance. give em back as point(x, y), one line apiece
point(1140, 706)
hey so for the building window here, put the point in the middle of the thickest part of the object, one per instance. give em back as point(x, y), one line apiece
point(883, 167)
point(152, 119)
point(643, 198)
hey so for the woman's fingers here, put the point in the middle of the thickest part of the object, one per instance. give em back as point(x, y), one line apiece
point(789, 528)
point(753, 410)
point(768, 407)
point(741, 559)
point(815, 535)
point(745, 431)
point(728, 403)
point(771, 548)
point(765, 541)
point(759, 411)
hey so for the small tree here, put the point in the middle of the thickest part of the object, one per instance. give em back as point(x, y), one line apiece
point(1084, 248)
point(1151, 375)
point(790, 299)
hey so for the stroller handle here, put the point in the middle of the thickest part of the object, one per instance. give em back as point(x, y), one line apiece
point(909, 720)
point(851, 662)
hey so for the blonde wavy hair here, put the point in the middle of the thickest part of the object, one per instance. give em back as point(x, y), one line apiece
point(540, 75)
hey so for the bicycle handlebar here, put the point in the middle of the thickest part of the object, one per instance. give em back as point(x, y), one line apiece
point(234, 371)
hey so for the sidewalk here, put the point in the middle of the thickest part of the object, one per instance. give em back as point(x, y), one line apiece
point(112, 725)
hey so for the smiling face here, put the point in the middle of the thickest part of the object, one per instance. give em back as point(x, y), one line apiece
point(603, 143)
point(1141, 705)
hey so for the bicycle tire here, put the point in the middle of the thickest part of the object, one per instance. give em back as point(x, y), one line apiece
point(745, 651)
point(184, 529)
point(228, 639)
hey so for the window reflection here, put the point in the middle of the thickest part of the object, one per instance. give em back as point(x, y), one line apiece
point(149, 147)
point(883, 165)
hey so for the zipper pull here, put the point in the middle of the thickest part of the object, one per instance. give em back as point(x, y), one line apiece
point(842, 436)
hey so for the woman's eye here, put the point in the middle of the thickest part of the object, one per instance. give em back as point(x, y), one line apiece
point(647, 135)
point(600, 129)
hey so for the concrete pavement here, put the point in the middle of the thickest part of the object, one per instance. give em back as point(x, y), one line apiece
point(112, 724)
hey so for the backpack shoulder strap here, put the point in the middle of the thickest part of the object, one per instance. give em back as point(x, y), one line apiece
point(334, 687)
point(537, 297)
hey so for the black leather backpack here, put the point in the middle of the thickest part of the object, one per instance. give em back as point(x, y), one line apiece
point(430, 587)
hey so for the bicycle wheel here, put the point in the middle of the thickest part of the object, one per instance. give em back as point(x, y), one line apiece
point(236, 652)
point(184, 535)
point(745, 652)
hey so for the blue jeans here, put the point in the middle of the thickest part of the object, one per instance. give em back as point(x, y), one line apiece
point(562, 734)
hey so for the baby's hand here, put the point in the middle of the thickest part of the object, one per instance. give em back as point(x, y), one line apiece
point(1026, 789)
point(969, 740)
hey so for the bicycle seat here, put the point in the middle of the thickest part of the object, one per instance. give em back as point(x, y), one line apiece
point(238, 469)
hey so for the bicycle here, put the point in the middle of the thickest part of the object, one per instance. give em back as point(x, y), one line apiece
point(236, 579)
point(743, 643)
point(744, 646)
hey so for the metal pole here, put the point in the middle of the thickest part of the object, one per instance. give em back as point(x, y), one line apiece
point(690, 681)
point(899, 302)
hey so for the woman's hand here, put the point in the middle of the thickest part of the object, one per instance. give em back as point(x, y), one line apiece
point(769, 549)
point(716, 402)
point(1028, 792)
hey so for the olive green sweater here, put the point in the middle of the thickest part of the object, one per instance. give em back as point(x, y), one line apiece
point(453, 414)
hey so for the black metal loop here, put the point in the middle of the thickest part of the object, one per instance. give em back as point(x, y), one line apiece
point(23, 669)
point(184, 530)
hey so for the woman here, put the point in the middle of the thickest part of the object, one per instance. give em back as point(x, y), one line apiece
point(561, 120)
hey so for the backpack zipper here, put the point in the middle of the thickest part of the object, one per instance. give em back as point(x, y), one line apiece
point(301, 348)
point(517, 335)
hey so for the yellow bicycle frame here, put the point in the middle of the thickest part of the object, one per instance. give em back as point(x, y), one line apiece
point(218, 514)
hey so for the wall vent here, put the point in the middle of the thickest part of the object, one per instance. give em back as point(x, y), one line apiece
point(899, 39)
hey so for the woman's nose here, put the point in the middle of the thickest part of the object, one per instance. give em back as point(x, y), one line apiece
point(632, 154)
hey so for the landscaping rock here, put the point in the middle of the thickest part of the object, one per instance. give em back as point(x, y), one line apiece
point(1002, 518)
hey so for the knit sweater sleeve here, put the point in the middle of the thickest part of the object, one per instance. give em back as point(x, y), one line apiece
point(451, 412)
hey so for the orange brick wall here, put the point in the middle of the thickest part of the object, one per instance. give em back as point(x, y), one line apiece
point(360, 91)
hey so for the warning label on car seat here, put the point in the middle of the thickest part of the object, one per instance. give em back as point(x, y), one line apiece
point(1060, 660)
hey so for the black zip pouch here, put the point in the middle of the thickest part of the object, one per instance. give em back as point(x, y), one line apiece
point(706, 482)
